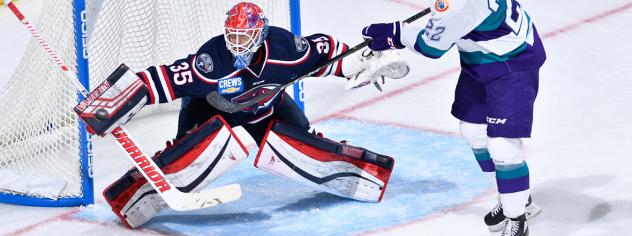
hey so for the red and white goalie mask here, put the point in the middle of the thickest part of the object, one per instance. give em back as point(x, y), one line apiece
point(246, 28)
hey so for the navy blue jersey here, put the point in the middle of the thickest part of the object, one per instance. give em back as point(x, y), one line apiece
point(282, 57)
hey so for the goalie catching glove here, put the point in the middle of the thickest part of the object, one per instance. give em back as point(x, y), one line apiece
point(191, 164)
point(367, 66)
point(333, 167)
point(114, 102)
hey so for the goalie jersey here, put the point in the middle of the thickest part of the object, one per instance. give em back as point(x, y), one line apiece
point(494, 37)
point(280, 58)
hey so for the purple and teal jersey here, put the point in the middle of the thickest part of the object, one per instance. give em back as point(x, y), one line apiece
point(494, 37)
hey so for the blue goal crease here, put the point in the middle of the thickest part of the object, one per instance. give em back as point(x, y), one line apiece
point(432, 172)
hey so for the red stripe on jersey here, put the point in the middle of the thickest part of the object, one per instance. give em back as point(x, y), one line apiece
point(152, 99)
point(321, 72)
point(338, 72)
point(332, 49)
point(167, 81)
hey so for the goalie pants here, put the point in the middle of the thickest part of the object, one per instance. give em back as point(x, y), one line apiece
point(196, 111)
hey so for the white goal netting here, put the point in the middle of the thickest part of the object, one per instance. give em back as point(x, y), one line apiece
point(39, 136)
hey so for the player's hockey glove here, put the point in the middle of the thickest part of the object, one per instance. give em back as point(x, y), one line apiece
point(384, 35)
point(368, 67)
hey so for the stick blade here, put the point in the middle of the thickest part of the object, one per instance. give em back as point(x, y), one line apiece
point(208, 198)
point(219, 102)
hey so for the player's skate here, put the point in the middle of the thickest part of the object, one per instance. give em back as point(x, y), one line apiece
point(496, 220)
point(516, 227)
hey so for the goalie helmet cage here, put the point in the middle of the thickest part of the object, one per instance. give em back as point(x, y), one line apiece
point(45, 152)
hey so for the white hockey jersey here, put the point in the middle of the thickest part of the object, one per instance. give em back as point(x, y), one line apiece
point(493, 37)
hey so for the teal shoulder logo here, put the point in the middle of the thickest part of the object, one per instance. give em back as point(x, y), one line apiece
point(230, 85)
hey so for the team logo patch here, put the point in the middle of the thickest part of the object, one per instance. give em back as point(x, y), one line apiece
point(442, 5)
point(254, 92)
point(301, 43)
point(204, 63)
point(230, 85)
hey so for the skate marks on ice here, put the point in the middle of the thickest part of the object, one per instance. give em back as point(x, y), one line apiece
point(433, 172)
point(570, 207)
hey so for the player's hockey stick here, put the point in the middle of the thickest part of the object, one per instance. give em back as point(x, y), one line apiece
point(218, 101)
point(176, 199)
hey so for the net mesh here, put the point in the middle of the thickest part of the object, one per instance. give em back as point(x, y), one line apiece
point(38, 130)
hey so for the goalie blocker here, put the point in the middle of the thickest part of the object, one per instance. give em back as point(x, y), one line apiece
point(333, 167)
point(114, 102)
point(191, 164)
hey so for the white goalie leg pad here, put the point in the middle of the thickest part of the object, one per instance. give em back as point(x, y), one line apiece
point(191, 164)
point(332, 167)
point(368, 66)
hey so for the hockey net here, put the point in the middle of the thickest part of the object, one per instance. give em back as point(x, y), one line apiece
point(40, 154)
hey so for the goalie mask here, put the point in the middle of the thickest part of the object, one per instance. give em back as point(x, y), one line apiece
point(245, 30)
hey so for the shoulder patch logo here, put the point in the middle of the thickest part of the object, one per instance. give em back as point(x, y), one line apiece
point(442, 5)
point(301, 43)
point(204, 63)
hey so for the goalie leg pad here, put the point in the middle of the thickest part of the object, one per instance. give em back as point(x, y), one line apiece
point(113, 102)
point(336, 168)
point(191, 164)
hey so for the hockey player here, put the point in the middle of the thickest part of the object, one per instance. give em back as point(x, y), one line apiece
point(250, 58)
point(501, 54)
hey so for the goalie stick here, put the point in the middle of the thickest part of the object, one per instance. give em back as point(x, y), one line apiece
point(176, 199)
point(218, 101)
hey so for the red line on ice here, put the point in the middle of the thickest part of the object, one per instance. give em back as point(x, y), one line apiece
point(444, 74)
point(551, 34)
point(441, 75)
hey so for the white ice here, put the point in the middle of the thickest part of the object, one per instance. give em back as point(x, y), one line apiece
point(579, 155)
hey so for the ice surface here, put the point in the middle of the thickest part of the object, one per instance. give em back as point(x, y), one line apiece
point(579, 156)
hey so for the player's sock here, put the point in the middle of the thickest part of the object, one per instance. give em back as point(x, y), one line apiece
point(513, 185)
point(485, 162)
point(191, 164)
